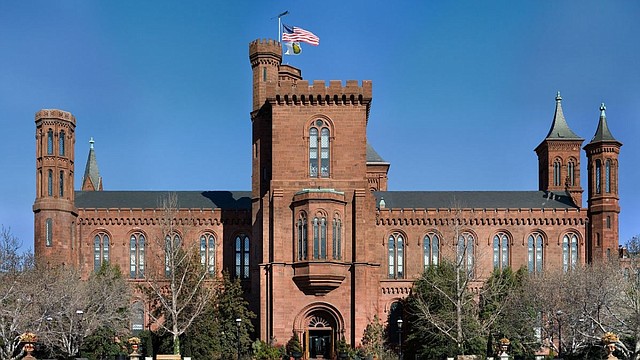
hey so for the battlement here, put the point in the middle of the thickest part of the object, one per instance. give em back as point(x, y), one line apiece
point(318, 92)
point(55, 114)
point(265, 48)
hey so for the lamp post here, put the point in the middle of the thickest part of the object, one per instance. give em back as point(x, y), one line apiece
point(238, 321)
point(558, 314)
point(400, 339)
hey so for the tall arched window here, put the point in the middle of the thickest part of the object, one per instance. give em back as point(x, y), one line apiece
point(137, 317)
point(607, 176)
point(535, 252)
point(431, 249)
point(242, 256)
point(50, 142)
point(100, 250)
point(569, 251)
point(61, 190)
point(336, 244)
point(319, 149)
point(48, 231)
point(302, 237)
point(50, 182)
point(571, 168)
point(172, 243)
point(61, 143)
point(208, 252)
point(319, 238)
point(465, 253)
point(500, 251)
point(395, 247)
point(598, 176)
point(557, 174)
point(136, 256)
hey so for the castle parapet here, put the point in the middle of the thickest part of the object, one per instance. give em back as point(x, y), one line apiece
point(55, 114)
point(296, 92)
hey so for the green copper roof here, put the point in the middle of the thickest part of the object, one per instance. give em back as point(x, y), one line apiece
point(559, 128)
point(603, 133)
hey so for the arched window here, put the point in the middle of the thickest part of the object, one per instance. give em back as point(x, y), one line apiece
point(50, 142)
point(557, 175)
point(50, 182)
point(137, 317)
point(607, 176)
point(48, 230)
point(208, 252)
point(136, 256)
point(571, 168)
point(500, 251)
point(61, 143)
point(242, 256)
point(319, 238)
point(336, 244)
point(302, 237)
point(465, 253)
point(100, 250)
point(61, 190)
point(598, 176)
point(569, 251)
point(535, 252)
point(431, 249)
point(319, 149)
point(172, 245)
point(395, 247)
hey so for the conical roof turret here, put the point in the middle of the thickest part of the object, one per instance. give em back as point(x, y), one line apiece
point(602, 133)
point(91, 180)
point(559, 128)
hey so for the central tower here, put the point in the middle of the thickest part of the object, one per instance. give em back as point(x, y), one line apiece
point(312, 209)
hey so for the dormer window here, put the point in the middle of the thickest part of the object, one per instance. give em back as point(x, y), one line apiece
point(319, 149)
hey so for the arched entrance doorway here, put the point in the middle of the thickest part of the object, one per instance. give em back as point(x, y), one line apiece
point(319, 328)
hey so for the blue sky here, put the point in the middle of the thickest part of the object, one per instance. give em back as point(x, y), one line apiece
point(463, 90)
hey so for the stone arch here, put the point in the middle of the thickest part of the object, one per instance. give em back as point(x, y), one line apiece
point(319, 322)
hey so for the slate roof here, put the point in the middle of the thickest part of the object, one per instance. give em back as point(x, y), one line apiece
point(91, 172)
point(373, 156)
point(474, 199)
point(603, 133)
point(559, 128)
point(225, 200)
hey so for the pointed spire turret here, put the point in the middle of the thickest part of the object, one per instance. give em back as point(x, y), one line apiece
point(603, 133)
point(559, 128)
point(91, 180)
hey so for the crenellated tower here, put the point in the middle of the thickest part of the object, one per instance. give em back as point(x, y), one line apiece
point(54, 210)
point(603, 201)
point(559, 158)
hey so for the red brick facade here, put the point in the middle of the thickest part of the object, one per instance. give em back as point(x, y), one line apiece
point(319, 218)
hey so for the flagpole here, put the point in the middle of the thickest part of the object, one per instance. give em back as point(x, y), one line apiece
point(280, 24)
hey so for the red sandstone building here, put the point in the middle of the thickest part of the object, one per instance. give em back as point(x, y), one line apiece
point(320, 243)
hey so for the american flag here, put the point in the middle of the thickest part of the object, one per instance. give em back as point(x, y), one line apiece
point(296, 34)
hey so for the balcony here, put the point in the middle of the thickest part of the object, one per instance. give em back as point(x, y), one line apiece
point(319, 277)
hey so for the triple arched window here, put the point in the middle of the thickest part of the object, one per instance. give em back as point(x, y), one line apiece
point(500, 251)
point(569, 251)
point(242, 256)
point(466, 253)
point(395, 248)
point(431, 249)
point(320, 248)
point(319, 149)
point(535, 254)
point(208, 252)
point(137, 245)
point(100, 250)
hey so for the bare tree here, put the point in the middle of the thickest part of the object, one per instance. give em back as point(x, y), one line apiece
point(74, 308)
point(17, 294)
point(181, 293)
